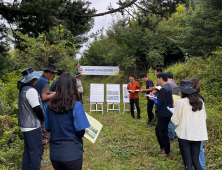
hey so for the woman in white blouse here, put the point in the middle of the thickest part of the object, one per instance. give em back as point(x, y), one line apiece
point(190, 120)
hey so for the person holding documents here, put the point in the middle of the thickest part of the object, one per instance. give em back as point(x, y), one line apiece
point(171, 126)
point(150, 103)
point(164, 100)
point(156, 87)
point(133, 88)
point(66, 121)
point(190, 120)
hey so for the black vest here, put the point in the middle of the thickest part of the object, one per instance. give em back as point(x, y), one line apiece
point(162, 111)
point(26, 116)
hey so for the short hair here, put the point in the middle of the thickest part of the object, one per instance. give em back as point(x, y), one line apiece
point(159, 69)
point(131, 75)
point(61, 71)
point(163, 75)
point(143, 75)
point(169, 75)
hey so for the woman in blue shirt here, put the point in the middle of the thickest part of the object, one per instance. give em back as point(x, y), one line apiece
point(66, 121)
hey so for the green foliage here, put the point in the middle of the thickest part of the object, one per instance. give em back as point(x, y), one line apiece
point(9, 94)
point(40, 16)
point(40, 51)
point(197, 30)
point(133, 47)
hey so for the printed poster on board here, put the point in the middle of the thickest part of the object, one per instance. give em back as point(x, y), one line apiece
point(125, 94)
point(112, 93)
point(96, 93)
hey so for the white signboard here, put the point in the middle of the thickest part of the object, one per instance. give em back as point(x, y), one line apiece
point(96, 93)
point(99, 70)
point(112, 93)
point(125, 94)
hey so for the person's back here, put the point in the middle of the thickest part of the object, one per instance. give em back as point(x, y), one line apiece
point(66, 120)
point(193, 124)
point(173, 85)
point(190, 118)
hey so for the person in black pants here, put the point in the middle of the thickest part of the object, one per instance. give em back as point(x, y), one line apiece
point(150, 103)
point(190, 120)
point(163, 101)
point(133, 88)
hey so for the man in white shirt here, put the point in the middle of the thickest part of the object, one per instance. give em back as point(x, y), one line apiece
point(30, 117)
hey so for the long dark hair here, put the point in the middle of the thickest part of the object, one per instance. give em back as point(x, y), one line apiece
point(194, 101)
point(195, 84)
point(66, 94)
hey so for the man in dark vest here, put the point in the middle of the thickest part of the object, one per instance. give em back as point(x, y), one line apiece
point(30, 118)
point(164, 100)
point(44, 91)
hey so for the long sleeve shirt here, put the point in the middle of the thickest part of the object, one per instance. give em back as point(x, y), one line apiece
point(189, 125)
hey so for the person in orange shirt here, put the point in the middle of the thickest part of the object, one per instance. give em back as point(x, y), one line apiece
point(134, 87)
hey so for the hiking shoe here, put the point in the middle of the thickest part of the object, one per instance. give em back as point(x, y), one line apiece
point(45, 161)
point(171, 140)
point(149, 124)
point(163, 154)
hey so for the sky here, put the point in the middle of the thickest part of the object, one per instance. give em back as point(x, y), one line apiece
point(102, 21)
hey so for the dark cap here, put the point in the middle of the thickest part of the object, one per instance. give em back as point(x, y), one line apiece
point(78, 74)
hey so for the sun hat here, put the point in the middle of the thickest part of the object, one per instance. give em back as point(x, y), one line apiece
point(51, 68)
point(186, 86)
point(78, 74)
point(29, 74)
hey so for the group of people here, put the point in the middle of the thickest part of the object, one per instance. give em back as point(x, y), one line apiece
point(57, 110)
point(188, 115)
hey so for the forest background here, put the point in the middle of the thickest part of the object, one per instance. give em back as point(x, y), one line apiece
point(183, 37)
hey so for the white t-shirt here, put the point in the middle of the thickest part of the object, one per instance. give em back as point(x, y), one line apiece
point(189, 125)
point(33, 99)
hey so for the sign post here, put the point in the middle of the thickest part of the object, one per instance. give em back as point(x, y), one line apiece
point(99, 70)
point(126, 100)
point(96, 96)
point(113, 96)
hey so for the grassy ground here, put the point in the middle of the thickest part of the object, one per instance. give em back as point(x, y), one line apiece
point(124, 143)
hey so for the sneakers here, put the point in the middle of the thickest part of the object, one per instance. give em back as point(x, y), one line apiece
point(171, 140)
point(149, 124)
point(45, 161)
point(163, 154)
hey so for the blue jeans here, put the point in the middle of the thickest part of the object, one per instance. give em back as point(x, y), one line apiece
point(171, 130)
point(201, 156)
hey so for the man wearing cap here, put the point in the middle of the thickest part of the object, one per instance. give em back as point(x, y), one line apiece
point(44, 91)
point(79, 85)
point(30, 118)
point(60, 72)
